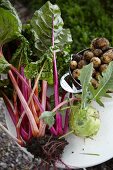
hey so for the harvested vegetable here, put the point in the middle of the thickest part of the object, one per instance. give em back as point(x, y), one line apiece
point(100, 43)
point(84, 122)
point(31, 68)
point(99, 57)
point(84, 119)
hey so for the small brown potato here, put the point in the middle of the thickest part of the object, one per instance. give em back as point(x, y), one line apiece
point(77, 57)
point(76, 73)
point(103, 67)
point(97, 52)
point(109, 53)
point(96, 62)
point(73, 65)
point(94, 83)
point(96, 75)
point(88, 55)
point(101, 43)
point(81, 63)
point(106, 59)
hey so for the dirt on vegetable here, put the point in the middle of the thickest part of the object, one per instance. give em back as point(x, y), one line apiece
point(49, 148)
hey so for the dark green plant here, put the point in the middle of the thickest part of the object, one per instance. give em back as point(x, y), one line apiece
point(86, 19)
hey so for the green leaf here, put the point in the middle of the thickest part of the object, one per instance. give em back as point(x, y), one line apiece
point(4, 65)
point(48, 118)
point(33, 69)
point(22, 53)
point(85, 78)
point(41, 27)
point(106, 83)
point(10, 24)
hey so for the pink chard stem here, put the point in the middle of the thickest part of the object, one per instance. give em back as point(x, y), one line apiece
point(56, 92)
point(27, 85)
point(34, 127)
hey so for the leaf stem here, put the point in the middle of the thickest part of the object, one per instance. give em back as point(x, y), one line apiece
point(63, 136)
point(34, 127)
point(56, 93)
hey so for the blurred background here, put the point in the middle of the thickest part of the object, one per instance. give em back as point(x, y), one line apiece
point(86, 19)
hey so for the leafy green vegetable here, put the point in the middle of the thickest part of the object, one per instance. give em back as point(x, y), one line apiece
point(10, 24)
point(48, 118)
point(105, 84)
point(33, 69)
point(22, 53)
point(4, 65)
point(41, 27)
point(85, 78)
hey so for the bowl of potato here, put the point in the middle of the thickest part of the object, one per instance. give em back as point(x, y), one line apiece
point(99, 53)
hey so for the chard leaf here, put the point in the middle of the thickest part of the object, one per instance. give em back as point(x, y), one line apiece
point(48, 118)
point(33, 69)
point(105, 84)
point(4, 65)
point(41, 28)
point(85, 78)
point(10, 24)
point(22, 53)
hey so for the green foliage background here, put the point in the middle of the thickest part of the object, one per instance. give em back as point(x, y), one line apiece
point(86, 19)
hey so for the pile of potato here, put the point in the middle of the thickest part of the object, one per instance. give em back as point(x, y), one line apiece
point(100, 54)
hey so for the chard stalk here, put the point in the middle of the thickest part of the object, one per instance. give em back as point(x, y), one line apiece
point(56, 93)
point(11, 111)
point(26, 84)
point(34, 127)
point(44, 91)
point(32, 94)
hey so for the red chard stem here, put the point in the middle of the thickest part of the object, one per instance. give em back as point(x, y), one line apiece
point(34, 127)
point(56, 92)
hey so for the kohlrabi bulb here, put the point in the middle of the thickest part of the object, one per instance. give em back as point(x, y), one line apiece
point(84, 122)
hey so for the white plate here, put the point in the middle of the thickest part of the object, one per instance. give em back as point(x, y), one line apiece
point(101, 144)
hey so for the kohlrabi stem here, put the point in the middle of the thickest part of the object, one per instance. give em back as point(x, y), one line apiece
point(56, 91)
point(63, 136)
point(34, 127)
point(65, 102)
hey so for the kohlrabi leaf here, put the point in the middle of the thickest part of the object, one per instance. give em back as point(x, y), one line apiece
point(33, 69)
point(105, 84)
point(41, 27)
point(48, 118)
point(85, 78)
point(21, 56)
point(4, 65)
point(10, 24)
